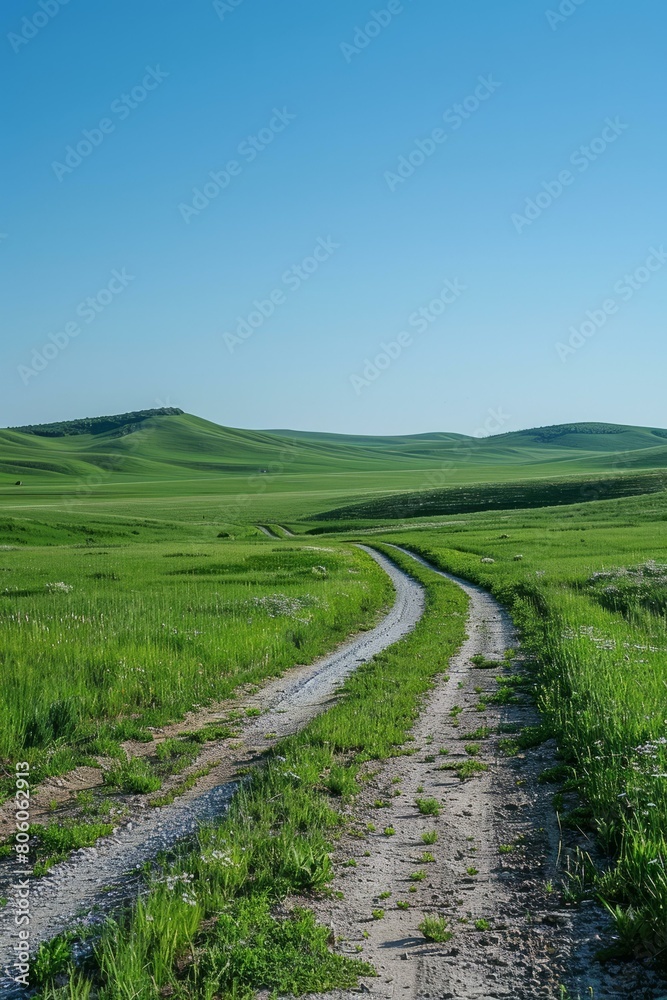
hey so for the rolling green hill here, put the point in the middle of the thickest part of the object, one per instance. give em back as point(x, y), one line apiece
point(155, 443)
point(119, 463)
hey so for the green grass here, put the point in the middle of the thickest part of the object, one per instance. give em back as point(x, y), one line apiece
point(428, 807)
point(181, 788)
point(436, 929)
point(134, 777)
point(466, 769)
point(93, 638)
point(53, 843)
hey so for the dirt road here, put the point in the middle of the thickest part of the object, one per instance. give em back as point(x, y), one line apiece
point(287, 704)
point(492, 872)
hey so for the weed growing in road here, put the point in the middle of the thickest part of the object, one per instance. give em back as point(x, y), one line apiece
point(428, 807)
point(436, 929)
point(52, 959)
point(481, 733)
point(482, 662)
point(466, 769)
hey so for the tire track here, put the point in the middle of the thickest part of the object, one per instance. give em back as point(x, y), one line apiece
point(267, 531)
point(72, 889)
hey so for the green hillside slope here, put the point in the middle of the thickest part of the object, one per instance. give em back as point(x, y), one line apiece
point(156, 442)
point(168, 454)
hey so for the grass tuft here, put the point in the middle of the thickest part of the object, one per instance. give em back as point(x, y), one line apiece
point(436, 929)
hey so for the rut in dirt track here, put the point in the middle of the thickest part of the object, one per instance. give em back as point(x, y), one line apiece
point(74, 887)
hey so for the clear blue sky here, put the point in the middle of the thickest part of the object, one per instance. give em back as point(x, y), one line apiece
point(341, 107)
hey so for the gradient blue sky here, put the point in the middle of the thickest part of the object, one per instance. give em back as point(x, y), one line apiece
point(161, 341)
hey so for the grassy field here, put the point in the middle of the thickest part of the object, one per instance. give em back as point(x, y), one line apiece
point(99, 643)
point(521, 495)
point(135, 583)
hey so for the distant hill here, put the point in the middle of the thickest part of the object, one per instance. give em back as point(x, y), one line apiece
point(168, 444)
point(592, 437)
point(123, 423)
